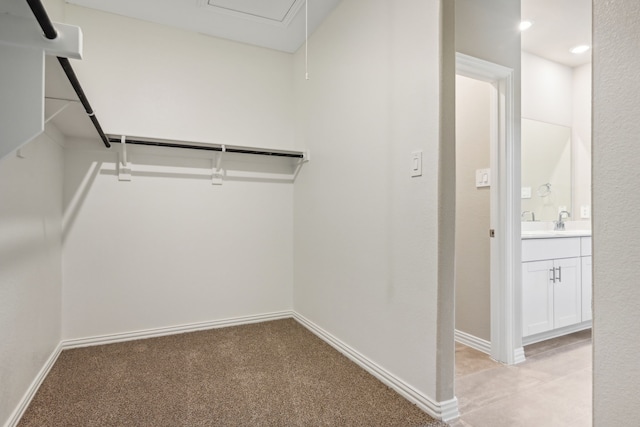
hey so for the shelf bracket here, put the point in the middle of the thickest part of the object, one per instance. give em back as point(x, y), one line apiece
point(218, 174)
point(306, 156)
point(124, 163)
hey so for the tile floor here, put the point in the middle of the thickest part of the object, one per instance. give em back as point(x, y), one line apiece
point(552, 388)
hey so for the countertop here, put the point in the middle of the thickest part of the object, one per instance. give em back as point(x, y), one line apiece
point(552, 234)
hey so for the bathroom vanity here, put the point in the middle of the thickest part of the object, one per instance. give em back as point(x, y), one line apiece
point(556, 283)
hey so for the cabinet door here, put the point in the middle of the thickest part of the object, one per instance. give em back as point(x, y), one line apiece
point(587, 282)
point(567, 302)
point(537, 297)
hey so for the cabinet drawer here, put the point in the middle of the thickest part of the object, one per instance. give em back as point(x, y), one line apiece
point(541, 249)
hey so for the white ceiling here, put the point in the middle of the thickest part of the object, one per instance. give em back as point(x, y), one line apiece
point(275, 24)
point(558, 25)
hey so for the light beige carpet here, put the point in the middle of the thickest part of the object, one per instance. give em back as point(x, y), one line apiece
point(268, 374)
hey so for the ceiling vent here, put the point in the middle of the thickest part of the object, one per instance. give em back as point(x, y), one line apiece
point(272, 12)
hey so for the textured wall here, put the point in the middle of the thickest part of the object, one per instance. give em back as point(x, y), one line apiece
point(30, 270)
point(616, 233)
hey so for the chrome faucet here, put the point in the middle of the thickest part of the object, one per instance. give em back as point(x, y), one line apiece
point(533, 215)
point(560, 222)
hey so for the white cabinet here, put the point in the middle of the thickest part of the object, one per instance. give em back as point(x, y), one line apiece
point(551, 294)
point(537, 297)
point(567, 291)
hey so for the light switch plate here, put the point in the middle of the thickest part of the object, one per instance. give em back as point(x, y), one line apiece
point(416, 163)
point(483, 178)
point(525, 193)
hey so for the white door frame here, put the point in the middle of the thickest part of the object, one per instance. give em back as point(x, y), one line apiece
point(506, 277)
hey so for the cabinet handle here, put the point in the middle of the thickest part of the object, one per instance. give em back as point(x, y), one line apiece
point(553, 277)
point(559, 274)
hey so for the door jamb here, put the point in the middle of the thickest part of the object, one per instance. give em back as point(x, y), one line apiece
point(506, 277)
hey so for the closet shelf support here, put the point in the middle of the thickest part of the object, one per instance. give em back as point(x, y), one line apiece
point(50, 33)
point(217, 174)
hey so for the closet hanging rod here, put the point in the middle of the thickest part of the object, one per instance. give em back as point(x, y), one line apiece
point(50, 32)
point(228, 148)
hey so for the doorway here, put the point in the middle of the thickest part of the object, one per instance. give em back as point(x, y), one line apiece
point(473, 213)
point(497, 189)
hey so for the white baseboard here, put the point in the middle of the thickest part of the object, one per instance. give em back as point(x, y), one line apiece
point(33, 388)
point(555, 333)
point(446, 411)
point(484, 346)
point(472, 341)
point(518, 355)
point(172, 330)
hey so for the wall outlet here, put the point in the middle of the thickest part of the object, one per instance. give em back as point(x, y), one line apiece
point(525, 193)
point(585, 211)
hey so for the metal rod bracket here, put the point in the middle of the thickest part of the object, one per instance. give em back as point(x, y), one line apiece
point(124, 163)
point(218, 173)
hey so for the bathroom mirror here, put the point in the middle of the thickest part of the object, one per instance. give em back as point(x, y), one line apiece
point(546, 170)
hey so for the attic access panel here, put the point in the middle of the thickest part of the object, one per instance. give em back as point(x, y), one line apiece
point(273, 12)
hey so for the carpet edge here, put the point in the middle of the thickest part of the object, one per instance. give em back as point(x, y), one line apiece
point(172, 330)
point(444, 411)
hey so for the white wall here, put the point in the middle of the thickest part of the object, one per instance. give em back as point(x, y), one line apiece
point(473, 210)
point(30, 270)
point(150, 80)
point(555, 93)
point(169, 248)
point(55, 9)
point(22, 92)
point(581, 138)
point(547, 91)
point(366, 233)
point(488, 30)
point(616, 233)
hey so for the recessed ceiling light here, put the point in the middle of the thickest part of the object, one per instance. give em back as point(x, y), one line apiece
point(579, 49)
point(525, 25)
